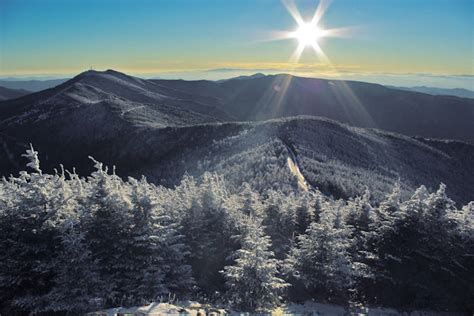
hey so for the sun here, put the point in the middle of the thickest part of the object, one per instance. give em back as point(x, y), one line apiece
point(308, 34)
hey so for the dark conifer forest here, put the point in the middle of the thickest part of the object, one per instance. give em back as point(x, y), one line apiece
point(72, 244)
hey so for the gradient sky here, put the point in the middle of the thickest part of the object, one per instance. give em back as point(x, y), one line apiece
point(56, 37)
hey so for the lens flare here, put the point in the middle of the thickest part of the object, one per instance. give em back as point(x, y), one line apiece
point(307, 34)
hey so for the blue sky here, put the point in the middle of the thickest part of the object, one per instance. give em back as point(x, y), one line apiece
point(56, 37)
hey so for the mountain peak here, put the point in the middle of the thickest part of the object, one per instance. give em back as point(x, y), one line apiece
point(115, 72)
point(92, 72)
point(257, 75)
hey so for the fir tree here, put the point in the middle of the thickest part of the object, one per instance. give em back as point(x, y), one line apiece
point(252, 281)
point(158, 248)
point(77, 285)
point(108, 234)
point(320, 260)
point(29, 236)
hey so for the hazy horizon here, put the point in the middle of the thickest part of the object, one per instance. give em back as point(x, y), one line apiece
point(399, 80)
point(402, 43)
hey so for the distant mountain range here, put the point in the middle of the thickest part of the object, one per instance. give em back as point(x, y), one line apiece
point(246, 129)
point(7, 93)
point(458, 92)
point(33, 85)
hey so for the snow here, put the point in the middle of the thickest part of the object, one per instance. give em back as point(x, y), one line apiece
point(295, 170)
point(155, 309)
point(131, 109)
point(73, 214)
point(307, 308)
point(137, 86)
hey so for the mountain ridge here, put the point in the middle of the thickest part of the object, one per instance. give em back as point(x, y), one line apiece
point(161, 130)
point(111, 86)
point(261, 97)
point(353, 102)
point(457, 92)
point(363, 157)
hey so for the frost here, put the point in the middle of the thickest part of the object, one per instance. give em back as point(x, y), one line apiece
point(71, 245)
point(32, 156)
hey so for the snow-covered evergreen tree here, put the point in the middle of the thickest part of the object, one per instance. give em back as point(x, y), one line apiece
point(253, 282)
point(465, 221)
point(70, 244)
point(108, 234)
point(280, 220)
point(29, 235)
point(207, 224)
point(360, 217)
point(77, 285)
point(145, 233)
point(305, 211)
point(158, 248)
point(320, 260)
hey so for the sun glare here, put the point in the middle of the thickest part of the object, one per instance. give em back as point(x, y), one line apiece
point(308, 34)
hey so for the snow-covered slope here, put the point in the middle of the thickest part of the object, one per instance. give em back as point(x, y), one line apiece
point(153, 128)
point(151, 103)
point(338, 159)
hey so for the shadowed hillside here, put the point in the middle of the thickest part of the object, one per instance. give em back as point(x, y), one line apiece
point(147, 127)
point(7, 93)
point(338, 159)
point(356, 103)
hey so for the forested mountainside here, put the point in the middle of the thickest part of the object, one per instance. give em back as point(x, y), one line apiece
point(70, 244)
point(335, 158)
point(356, 103)
point(7, 93)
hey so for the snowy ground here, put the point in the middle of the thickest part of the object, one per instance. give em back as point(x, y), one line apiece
point(308, 308)
point(295, 170)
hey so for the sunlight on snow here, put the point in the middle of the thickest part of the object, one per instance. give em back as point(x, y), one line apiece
point(296, 171)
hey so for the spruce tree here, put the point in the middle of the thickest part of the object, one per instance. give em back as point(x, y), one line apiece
point(108, 234)
point(360, 217)
point(77, 285)
point(320, 260)
point(29, 236)
point(252, 281)
point(158, 248)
